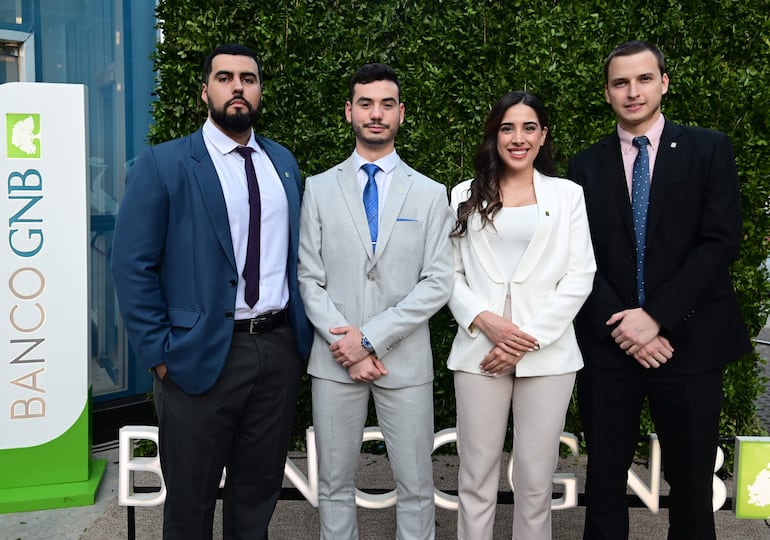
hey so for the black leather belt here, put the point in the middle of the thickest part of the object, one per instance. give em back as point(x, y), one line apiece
point(261, 324)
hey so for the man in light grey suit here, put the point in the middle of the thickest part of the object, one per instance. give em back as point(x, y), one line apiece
point(375, 264)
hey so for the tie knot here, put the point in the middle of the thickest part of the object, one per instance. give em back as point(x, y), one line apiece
point(641, 142)
point(244, 151)
point(370, 169)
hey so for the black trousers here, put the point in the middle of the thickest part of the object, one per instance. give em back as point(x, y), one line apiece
point(685, 410)
point(244, 422)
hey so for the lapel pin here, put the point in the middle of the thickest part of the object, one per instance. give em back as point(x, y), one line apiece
point(286, 174)
point(673, 144)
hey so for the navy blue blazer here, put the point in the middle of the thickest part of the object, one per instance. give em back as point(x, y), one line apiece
point(693, 236)
point(173, 261)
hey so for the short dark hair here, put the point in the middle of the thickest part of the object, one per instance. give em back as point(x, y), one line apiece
point(230, 48)
point(374, 72)
point(634, 47)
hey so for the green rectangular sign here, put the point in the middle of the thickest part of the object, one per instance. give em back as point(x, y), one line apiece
point(752, 477)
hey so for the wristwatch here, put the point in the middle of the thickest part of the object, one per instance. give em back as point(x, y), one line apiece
point(366, 344)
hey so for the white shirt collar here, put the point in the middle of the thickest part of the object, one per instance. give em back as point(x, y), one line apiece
point(222, 142)
point(386, 163)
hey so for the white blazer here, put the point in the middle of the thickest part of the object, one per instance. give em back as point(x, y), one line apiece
point(550, 284)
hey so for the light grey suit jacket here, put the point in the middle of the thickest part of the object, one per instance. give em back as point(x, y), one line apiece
point(389, 294)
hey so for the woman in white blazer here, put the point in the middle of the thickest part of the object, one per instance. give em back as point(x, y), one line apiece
point(524, 265)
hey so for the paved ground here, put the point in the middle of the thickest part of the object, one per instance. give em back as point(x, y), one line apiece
point(298, 520)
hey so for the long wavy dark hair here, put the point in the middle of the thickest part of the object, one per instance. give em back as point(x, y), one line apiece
point(485, 187)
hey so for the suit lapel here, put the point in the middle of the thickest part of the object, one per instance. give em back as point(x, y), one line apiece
point(547, 207)
point(666, 161)
point(399, 187)
point(615, 173)
point(350, 190)
point(211, 192)
point(478, 239)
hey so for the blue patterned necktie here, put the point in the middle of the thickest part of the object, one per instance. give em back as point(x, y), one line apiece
point(640, 196)
point(371, 201)
point(251, 267)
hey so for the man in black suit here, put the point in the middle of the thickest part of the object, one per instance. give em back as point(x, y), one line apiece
point(663, 319)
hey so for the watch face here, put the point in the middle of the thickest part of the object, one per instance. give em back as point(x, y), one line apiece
point(366, 344)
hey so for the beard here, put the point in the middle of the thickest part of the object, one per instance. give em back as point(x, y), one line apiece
point(382, 139)
point(237, 122)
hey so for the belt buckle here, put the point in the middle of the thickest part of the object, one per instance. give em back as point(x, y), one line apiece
point(256, 324)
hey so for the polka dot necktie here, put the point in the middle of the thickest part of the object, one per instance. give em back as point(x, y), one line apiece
point(640, 196)
point(371, 202)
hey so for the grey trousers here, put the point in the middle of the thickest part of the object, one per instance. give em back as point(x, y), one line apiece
point(405, 416)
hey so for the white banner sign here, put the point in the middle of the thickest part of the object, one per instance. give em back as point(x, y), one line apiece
point(43, 262)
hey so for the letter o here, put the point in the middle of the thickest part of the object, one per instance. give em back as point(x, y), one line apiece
point(16, 293)
point(31, 328)
point(445, 500)
point(374, 500)
point(384, 500)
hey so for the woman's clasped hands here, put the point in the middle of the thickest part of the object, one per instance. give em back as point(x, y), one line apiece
point(511, 343)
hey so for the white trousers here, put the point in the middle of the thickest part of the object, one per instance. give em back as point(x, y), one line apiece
point(405, 416)
point(539, 406)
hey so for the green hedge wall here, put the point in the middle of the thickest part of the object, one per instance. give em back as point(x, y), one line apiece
point(455, 58)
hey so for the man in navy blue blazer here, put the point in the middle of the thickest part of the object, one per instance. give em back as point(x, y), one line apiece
point(226, 368)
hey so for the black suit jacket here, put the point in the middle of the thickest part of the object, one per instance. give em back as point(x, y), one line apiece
point(693, 236)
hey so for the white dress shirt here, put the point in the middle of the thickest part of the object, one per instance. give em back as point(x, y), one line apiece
point(274, 235)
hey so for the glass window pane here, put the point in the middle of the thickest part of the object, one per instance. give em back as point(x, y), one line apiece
point(9, 63)
point(11, 12)
point(106, 46)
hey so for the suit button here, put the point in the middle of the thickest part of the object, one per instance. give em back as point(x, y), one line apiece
point(233, 282)
point(229, 315)
point(370, 276)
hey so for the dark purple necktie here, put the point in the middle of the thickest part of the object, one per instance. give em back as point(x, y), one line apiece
point(251, 268)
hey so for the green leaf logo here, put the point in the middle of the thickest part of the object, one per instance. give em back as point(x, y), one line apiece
point(759, 489)
point(23, 135)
